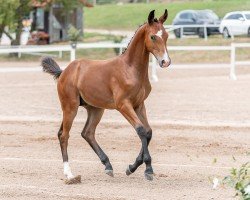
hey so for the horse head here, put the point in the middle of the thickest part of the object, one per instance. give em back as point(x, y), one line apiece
point(156, 38)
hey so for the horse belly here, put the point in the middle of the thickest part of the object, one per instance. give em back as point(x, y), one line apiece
point(97, 95)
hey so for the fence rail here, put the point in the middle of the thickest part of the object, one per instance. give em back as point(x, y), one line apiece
point(181, 27)
point(121, 46)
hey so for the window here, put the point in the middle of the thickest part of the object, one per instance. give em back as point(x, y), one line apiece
point(247, 16)
point(40, 19)
point(238, 16)
point(186, 16)
point(234, 16)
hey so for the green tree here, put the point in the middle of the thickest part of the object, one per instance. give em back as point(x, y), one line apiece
point(12, 13)
point(7, 16)
point(22, 10)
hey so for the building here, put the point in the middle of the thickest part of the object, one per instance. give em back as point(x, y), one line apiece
point(51, 18)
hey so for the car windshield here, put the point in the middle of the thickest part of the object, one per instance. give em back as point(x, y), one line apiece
point(247, 16)
point(207, 15)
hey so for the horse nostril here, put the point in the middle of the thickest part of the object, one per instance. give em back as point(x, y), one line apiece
point(162, 62)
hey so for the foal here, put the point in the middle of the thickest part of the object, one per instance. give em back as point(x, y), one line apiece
point(121, 83)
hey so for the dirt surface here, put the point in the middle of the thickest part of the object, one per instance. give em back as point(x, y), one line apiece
point(200, 122)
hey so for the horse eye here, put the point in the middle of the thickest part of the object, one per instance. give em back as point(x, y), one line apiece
point(153, 37)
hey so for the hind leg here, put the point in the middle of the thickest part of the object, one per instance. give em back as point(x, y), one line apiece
point(69, 113)
point(88, 133)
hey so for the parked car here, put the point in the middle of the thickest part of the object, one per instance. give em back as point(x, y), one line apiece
point(235, 23)
point(196, 17)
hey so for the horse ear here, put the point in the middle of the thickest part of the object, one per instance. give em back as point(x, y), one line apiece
point(164, 17)
point(151, 17)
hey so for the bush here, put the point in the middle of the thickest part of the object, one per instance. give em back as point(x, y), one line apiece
point(74, 35)
point(239, 179)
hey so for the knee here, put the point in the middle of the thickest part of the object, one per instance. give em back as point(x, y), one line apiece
point(139, 159)
point(141, 131)
point(63, 138)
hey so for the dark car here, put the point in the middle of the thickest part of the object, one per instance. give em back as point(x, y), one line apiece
point(196, 17)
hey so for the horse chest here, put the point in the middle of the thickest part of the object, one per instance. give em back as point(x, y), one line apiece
point(138, 94)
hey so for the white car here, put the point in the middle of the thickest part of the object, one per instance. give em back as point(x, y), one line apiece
point(235, 23)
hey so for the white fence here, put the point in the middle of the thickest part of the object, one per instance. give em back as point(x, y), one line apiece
point(234, 61)
point(121, 46)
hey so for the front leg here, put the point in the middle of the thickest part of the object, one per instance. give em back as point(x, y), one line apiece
point(141, 113)
point(143, 131)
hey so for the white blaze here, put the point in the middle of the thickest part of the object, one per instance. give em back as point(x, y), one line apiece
point(159, 33)
point(67, 170)
point(166, 57)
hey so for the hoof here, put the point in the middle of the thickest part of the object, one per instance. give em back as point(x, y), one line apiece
point(74, 180)
point(109, 172)
point(149, 177)
point(128, 172)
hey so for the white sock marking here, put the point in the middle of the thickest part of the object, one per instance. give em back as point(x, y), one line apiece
point(67, 170)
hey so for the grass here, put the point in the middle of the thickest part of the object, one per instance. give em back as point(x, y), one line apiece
point(130, 16)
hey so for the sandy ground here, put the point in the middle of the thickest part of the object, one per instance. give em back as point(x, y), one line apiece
point(197, 115)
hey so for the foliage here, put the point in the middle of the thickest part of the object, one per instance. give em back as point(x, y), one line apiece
point(239, 179)
point(8, 14)
point(68, 5)
point(10, 6)
point(105, 1)
point(12, 13)
point(74, 34)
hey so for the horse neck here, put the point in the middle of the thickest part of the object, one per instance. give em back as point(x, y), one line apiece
point(137, 55)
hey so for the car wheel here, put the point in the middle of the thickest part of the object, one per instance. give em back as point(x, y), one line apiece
point(225, 33)
point(177, 33)
point(248, 32)
point(201, 32)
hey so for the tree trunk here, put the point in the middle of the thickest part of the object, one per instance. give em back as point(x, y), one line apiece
point(22, 10)
point(1, 30)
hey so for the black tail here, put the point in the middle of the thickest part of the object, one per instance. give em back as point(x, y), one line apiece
point(51, 67)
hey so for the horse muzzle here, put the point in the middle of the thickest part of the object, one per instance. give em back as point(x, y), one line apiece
point(164, 63)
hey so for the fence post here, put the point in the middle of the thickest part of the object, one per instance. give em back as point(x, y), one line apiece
point(154, 76)
point(60, 54)
point(232, 67)
point(120, 50)
point(205, 32)
point(72, 54)
point(19, 54)
point(181, 32)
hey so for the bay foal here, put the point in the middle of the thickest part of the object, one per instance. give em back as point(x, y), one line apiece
point(121, 83)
